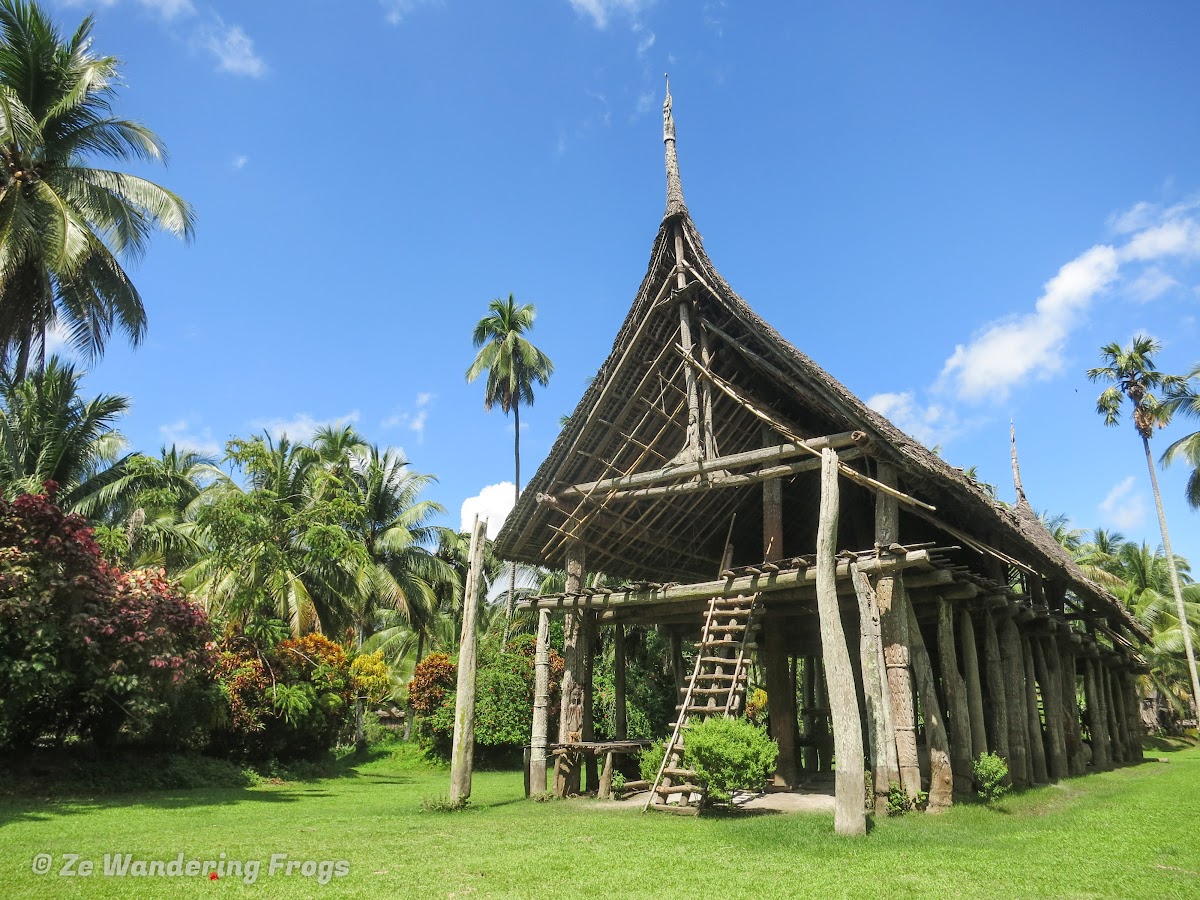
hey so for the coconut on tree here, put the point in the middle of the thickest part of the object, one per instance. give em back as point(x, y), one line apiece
point(1132, 375)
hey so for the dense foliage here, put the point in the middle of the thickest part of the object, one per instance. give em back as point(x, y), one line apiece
point(729, 755)
point(86, 649)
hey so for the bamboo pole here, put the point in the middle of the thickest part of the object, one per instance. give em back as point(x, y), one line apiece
point(955, 688)
point(941, 773)
point(462, 753)
point(885, 768)
point(970, 657)
point(849, 815)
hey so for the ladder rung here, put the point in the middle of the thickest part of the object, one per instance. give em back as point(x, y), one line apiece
point(723, 661)
point(679, 789)
point(679, 773)
point(713, 690)
point(676, 808)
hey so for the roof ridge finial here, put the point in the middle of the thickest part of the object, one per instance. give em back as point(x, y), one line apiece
point(1016, 465)
point(675, 204)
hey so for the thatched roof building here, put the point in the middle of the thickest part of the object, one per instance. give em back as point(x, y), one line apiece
point(693, 467)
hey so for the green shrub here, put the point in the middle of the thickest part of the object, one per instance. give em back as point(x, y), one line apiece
point(990, 771)
point(729, 755)
point(899, 802)
point(649, 761)
point(443, 804)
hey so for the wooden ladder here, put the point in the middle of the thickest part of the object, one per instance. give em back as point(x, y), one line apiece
point(716, 687)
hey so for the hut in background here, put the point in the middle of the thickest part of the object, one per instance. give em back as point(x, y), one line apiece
point(898, 614)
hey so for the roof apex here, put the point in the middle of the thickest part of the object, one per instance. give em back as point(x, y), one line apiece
point(675, 204)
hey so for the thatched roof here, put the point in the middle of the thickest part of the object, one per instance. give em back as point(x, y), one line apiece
point(632, 418)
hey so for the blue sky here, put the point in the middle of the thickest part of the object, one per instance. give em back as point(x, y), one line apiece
point(949, 207)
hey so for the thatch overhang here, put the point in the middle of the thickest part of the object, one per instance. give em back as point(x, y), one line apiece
point(633, 418)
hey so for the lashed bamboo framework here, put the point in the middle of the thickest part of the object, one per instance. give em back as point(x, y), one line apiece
point(696, 452)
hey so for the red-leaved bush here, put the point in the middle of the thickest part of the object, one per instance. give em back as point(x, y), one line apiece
point(85, 648)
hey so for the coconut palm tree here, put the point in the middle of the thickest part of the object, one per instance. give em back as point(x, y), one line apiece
point(1131, 374)
point(1184, 399)
point(48, 432)
point(63, 223)
point(513, 365)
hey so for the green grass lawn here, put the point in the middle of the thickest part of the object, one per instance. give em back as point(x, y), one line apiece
point(1129, 833)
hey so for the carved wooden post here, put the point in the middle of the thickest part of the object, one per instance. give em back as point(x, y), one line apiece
point(781, 699)
point(1037, 742)
point(941, 775)
point(588, 732)
point(1116, 722)
point(961, 751)
point(1077, 750)
point(885, 769)
point(893, 624)
point(849, 815)
point(541, 706)
point(970, 655)
point(620, 716)
point(997, 695)
point(1097, 716)
point(570, 719)
point(462, 753)
point(1133, 711)
point(1045, 663)
point(1014, 693)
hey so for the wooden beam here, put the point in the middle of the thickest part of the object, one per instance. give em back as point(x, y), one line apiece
point(728, 587)
point(777, 453)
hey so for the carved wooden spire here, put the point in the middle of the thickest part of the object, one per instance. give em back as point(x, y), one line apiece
point(675, 204)
point(1016, 465)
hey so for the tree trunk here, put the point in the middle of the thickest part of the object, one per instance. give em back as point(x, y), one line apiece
point(360, 729)
point(1014, 694)
point(970, 655)
point(1097, 716)
point(511, 600)
point(893, 624)
point(997, 695)
point(570, 719)
point(1045, 664)
point(1180, 609)
point(849, 815)
point(961, 751)
point(462, 754)
point(620, 713)
point(1077, 751)
point(541, 706)
point(1038, 772)
point(941, 773)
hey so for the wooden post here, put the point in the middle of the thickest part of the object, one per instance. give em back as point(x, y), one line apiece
point(941, 774)
point(1097, 716)
point(1014, 693)
point(1116, 720)
point(620, 714)
point(893, 624)
point(541, 706)
point(955, 686)
point(693, 447)
point(1077, 750)
point(781, 700)
point(462, 752)
point(885, 769)
point(809, 690)
point(570, 719)
point(1038, 772)
point(970, 656)
point(997, 695)
point(677, 662)
point(1045, 663)
point(1133, 712)
point(849, 816)
point(605, 790)
point(588, 732)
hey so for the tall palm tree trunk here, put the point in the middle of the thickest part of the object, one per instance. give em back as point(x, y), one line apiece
point(1184, 626)
point(511, 600)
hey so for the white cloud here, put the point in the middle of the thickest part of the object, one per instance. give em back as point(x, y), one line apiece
point(169, 9)
point(493, 503)
point(302, 426)
point(647, 101)
point(184, 435)
point(413, 421)
point(396, 11)
point(1030, 346)
point(646, 39)
point(931, 425)
point(602, 11)
point(1123, 507)
point(233, 49)
point(1150, 285)
point(239, 162)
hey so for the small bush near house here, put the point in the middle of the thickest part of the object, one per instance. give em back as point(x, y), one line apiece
point(729, 755)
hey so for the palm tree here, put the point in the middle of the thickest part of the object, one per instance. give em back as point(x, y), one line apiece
point(1132, 375)
point(512, 364)
point(1186, 400)
point(63, 223)
point(48, 432)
